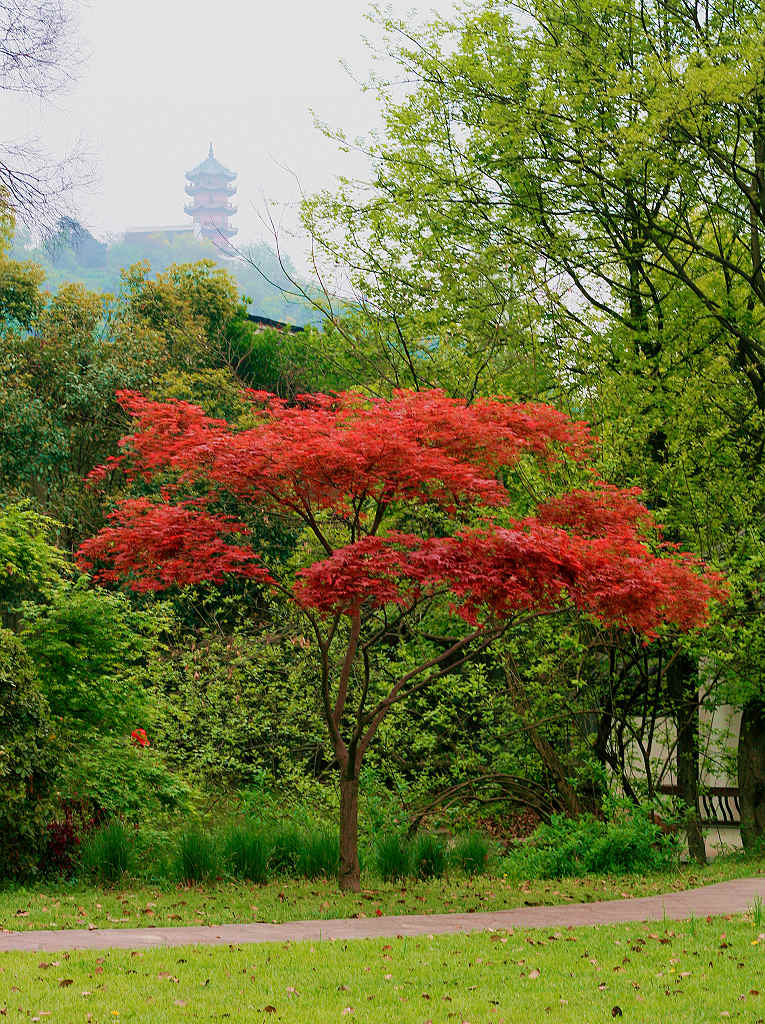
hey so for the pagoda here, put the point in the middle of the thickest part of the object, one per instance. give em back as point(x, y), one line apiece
point(210, 186)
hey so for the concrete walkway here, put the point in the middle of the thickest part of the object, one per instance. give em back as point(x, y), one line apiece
point(724, 898)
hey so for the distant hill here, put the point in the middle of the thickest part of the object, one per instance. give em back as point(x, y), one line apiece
point(73, 254)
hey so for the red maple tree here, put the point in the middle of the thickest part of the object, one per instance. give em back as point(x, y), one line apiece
point(352, 472)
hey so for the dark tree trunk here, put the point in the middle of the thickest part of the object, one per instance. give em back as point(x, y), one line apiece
point(751, 773)
point(546, 751)
point(350, 871)
point(684, 699)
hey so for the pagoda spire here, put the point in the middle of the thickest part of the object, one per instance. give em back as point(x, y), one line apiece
point(210, 185)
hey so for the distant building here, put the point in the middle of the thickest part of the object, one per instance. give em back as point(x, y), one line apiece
point(264, 322)
point(158, 232)
point(210, 186)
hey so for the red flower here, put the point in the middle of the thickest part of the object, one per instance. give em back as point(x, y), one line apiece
point(139, 737)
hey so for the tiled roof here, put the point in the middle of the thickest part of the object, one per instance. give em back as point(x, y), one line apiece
point(211, 167)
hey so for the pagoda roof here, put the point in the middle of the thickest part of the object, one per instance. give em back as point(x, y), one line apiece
point(194, 188)
point(199, 208)
point(211, 168)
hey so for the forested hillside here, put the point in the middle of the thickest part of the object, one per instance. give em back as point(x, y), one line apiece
point(72, 254)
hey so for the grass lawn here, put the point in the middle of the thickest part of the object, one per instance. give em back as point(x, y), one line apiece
point(61, 905)
point(692, 971)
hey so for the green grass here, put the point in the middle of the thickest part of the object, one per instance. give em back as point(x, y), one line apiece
point(108, 853)
point(318, 855)
point(246, 853)
point(712, 971)
point(133, 904)
point(197, 857)
point(393, 856)
point(471, 852)
point(430, 856)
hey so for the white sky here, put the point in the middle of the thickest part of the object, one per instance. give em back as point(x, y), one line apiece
point(163, 78)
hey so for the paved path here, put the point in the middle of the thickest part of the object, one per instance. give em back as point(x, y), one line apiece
point(724, 898)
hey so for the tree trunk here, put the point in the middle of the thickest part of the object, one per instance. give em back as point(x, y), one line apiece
point(546, 751)
point(350, 870)
point(751, 773)
point(684, 698)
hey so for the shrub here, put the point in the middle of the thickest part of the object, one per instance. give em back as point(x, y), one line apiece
point(108, 852)
point(28, 761)
point(62, 847)
point(224, 721)
point(319, 855)
point(393, 856)
point(156, 857)
point(627, 847)
point(112, 774)
point(566, 847)
point(246, 853)
point(471, 853)
point(429, 856)
point(197, 856)
point(557, 849)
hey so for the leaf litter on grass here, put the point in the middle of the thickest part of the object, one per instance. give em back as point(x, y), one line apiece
point(283, 900)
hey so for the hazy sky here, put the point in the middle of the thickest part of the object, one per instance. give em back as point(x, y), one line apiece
point(163, 78)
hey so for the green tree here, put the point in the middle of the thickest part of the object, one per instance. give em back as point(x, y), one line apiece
point(594, 173)
point(27, 764)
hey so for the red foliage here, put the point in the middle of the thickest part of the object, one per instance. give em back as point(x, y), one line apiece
point(153, 547)
point(139, 738)
point(356, 457)
point(417, 446)
point(63, 842)
point(599, 512)
point(65, 835)
point(496, 572)
point(375, 570)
